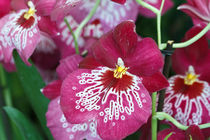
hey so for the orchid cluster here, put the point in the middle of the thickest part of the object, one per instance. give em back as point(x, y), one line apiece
point(102, 79)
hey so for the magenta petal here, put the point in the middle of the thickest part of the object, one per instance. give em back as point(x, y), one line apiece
point(194, 132)
point(176, 134)
point(52, 90)
point(62, 8)
point(155, 82)
point(18, 4)
point(119, 1)
point(106, 46)
point(68, 65)
point(4, 7)
point(121, 128)
point(89, 62)
point(45, 7)
point(116, 104)
point(63, 130)
point(125, 36)
point(146, 59)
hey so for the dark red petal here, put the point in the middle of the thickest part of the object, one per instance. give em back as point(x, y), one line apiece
point(155, 82)
point(52, 90)
point(106, 51)
point(191, 55)
point(89, 62)
point(125, 36)
point(176, 134)
point(195, 133)
point(146, 59)
point(119, 1)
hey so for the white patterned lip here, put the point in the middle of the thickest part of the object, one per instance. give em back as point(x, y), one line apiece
point(104, 90)
point(184, 103)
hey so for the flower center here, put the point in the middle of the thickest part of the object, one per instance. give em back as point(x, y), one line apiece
point(120, 69)
point(190, 77)
point(31, 10)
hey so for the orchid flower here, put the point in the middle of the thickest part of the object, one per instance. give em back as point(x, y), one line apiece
point(198, 10)
point(187, 98)
point(21, 30)
point(111, 92)
point(192, 133)
point(156, 3)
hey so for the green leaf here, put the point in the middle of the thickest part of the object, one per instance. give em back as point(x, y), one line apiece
point(27, 130)
point(32, 83)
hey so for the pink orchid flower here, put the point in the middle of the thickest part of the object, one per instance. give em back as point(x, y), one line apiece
point(109, 13)
point(199, 10)
point(21, 30)
point(192, 133)
point(188, 99)
point(56, 121)
point(156, 3)
point(114, 97)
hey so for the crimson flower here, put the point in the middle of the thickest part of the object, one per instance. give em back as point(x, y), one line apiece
point(192, 133)
point(119, 1)
point(187, 98)
point(111, 92)
point(198, 10)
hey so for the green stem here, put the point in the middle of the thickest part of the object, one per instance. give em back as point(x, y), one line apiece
point(146, 5)
point(85, 21)
point(159, 13)
point(163, 115)
point(2, 129)
point(73, 35)
point(188, 42)
point(6, 91)
point(154, 119)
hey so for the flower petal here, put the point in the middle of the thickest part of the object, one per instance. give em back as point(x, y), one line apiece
point(4, 7)
point(146, 59)
point(117, 103)
point(89, 62)
point(119, 1)
point(44, 7)
point(52, 90)
point(194, 132)
point(155, 82)
point(63, 130)
point(68, 65)
point(175, 134)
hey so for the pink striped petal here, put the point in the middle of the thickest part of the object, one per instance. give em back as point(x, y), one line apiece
point(68, 65)
point(116, 104)
point(19, 34)
point(63, 130)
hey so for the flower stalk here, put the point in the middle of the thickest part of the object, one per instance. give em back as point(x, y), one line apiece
point(190, 41)
point(154, 118)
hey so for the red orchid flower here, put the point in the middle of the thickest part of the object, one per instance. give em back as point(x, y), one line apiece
point(198, 10)
point(188, 99)
point(192, 133)
point(119, 1)
point(114, 97)
point(142, 57)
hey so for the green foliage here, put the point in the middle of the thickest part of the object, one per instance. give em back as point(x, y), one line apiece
point(25, 127)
